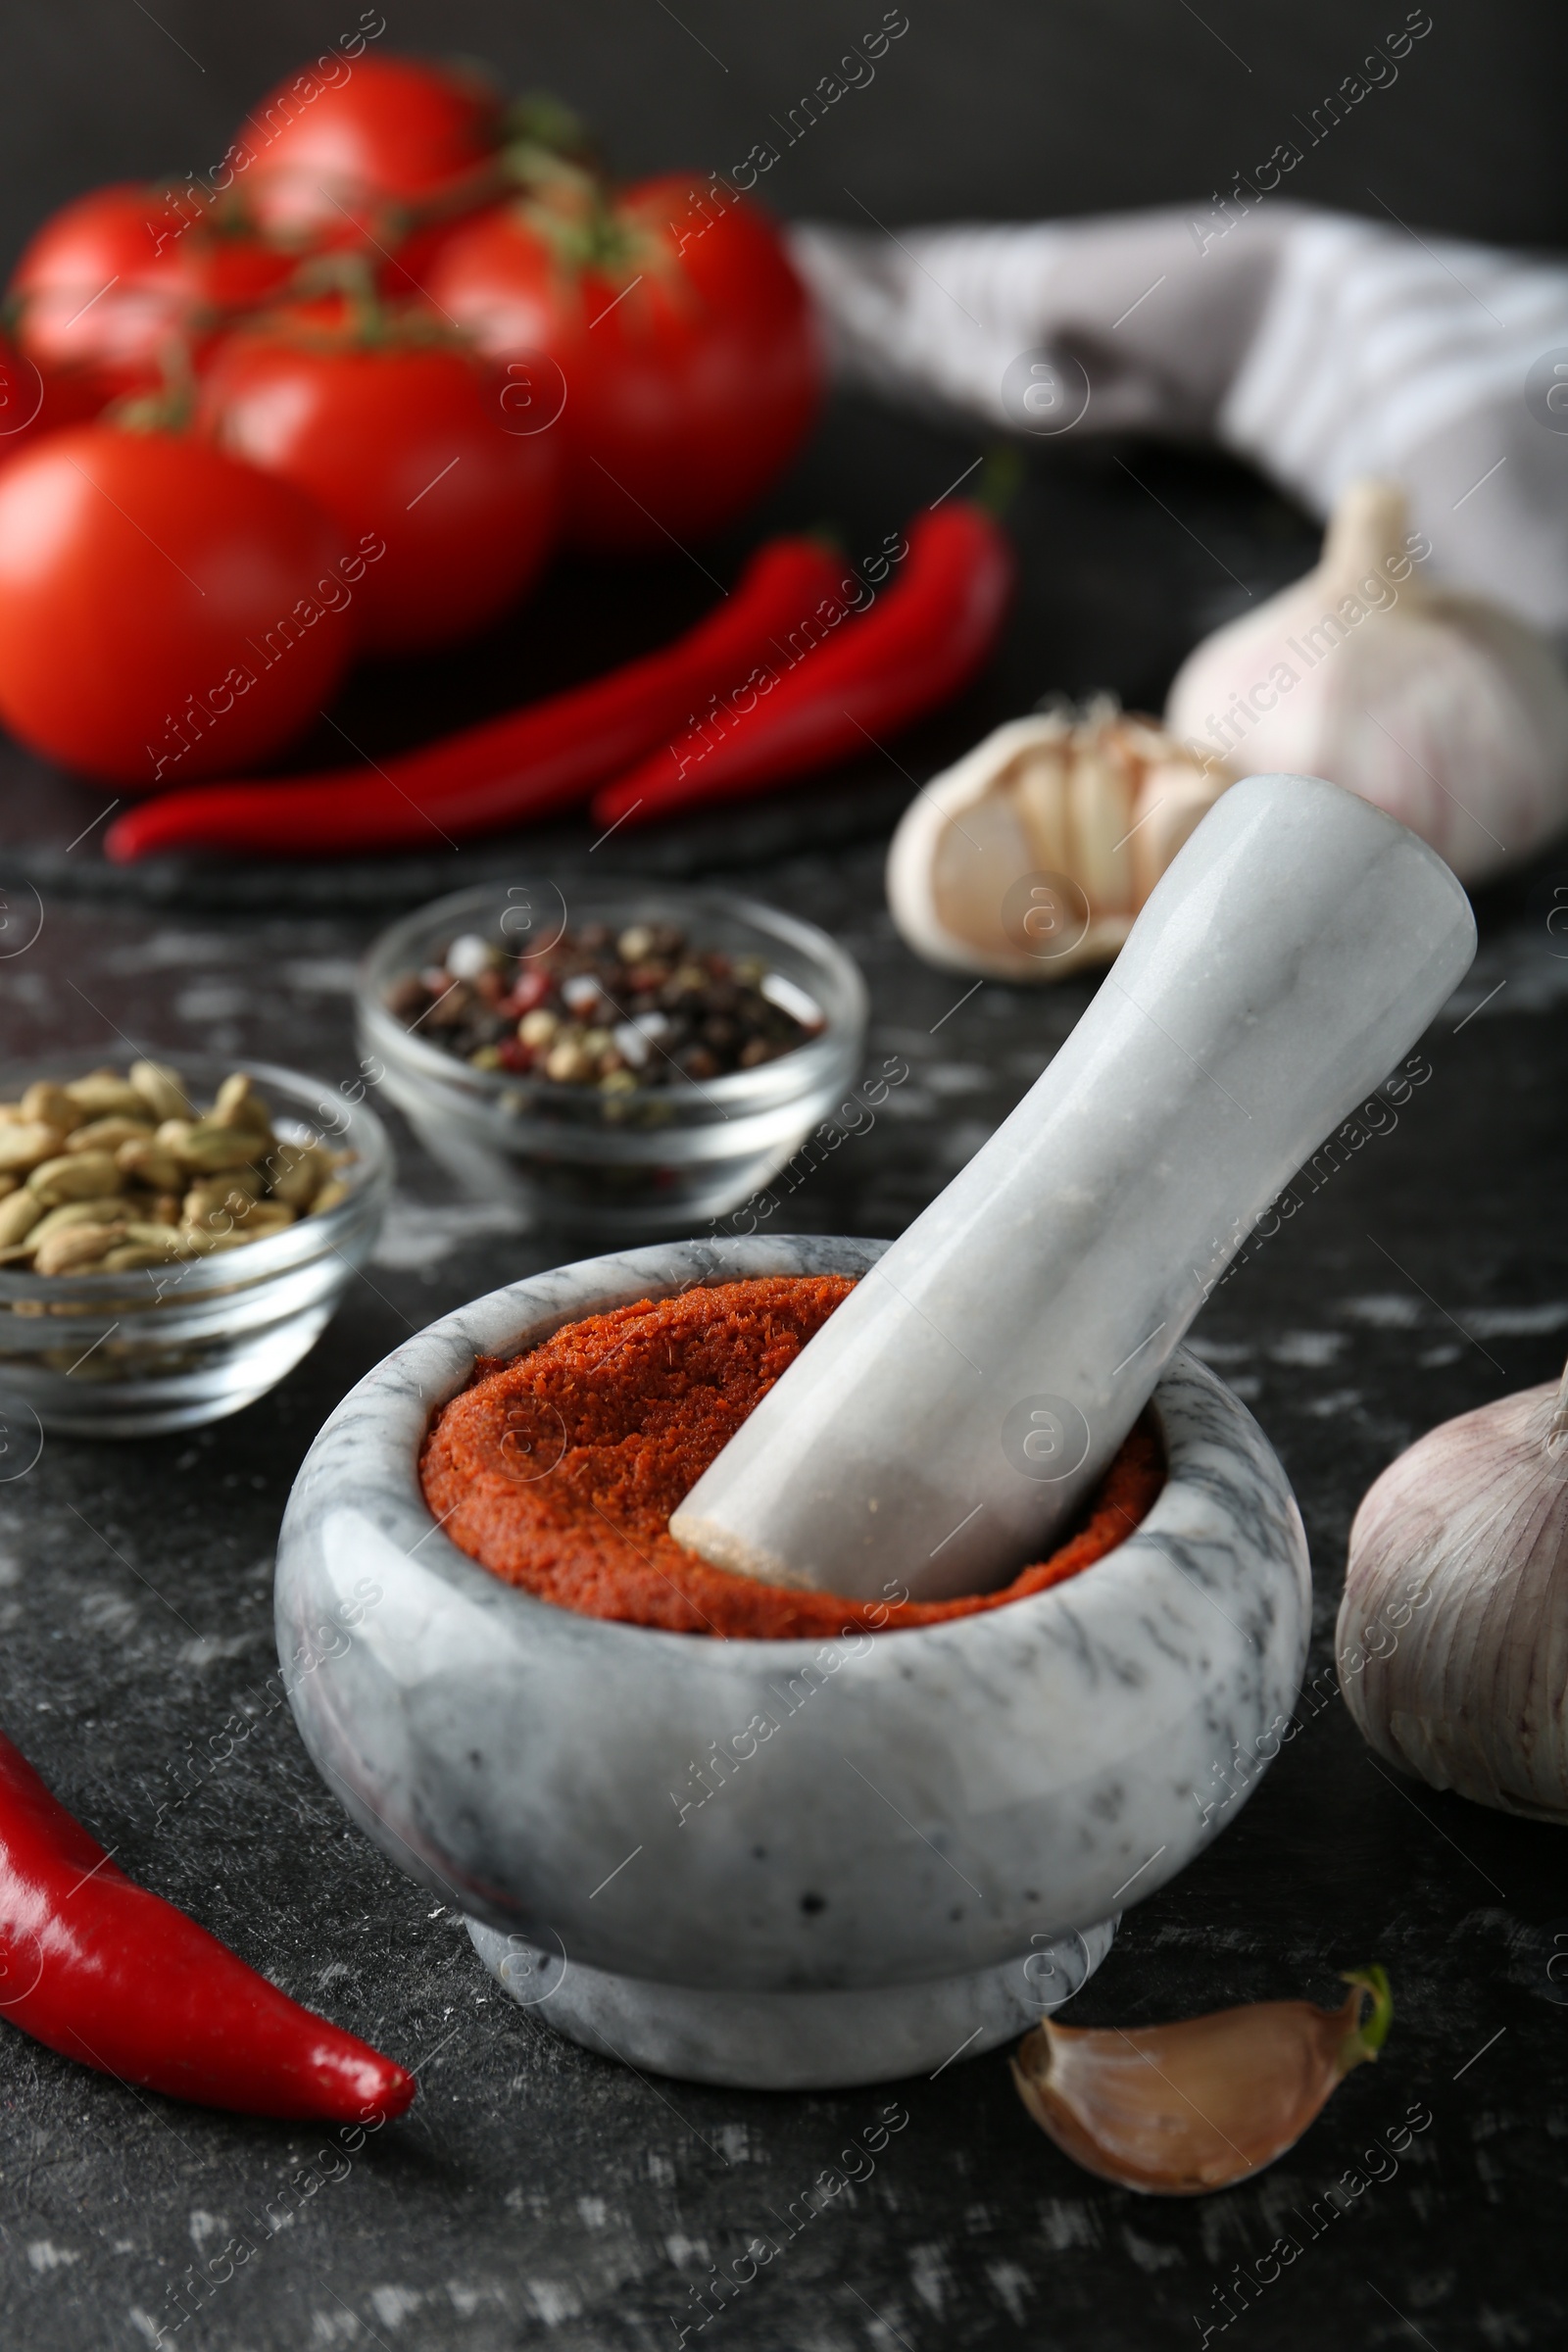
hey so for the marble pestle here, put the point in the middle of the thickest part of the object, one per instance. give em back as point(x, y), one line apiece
point(950, 1419)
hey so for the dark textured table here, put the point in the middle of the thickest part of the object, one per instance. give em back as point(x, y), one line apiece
point(538, 2195)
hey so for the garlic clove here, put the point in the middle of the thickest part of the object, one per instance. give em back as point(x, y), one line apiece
point(1039, 774)
point(1101, 789)
point(1452, 1634)
point(1444, 709)
point(1171, 803)
point(1180, 2110)
point(1099, 801)
point(962, 926)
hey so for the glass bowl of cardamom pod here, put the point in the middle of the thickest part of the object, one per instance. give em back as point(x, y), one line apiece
point(175, 1236)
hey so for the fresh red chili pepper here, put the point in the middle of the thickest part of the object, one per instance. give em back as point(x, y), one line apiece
point(114, 1977)
point(923, 639)
point(529, 764)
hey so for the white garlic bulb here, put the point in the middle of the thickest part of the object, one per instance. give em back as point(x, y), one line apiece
point(1444, 709)
point(1035, 852)
point(1452, 1636)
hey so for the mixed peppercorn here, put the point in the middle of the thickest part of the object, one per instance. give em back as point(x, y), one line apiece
point(618, 1012)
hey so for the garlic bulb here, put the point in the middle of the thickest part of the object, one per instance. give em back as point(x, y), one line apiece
point(1453, 1637)
point(1442, 709)
point(1034, 853)
point(1180, 2110)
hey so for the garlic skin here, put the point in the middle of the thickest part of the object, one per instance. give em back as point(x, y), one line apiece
point(1178, 2111)
point(1444, 709)
point(1099, 803)
point(1452, 1636)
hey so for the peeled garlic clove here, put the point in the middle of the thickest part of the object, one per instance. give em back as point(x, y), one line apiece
point(1452, 1636)
point(1034, 853)
point(1180, 2110)
point(1444, 709)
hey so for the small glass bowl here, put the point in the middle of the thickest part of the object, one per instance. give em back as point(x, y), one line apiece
point(161, 1347)
point(656, 1159)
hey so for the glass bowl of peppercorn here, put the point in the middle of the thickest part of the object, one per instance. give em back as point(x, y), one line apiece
point(615, 1057)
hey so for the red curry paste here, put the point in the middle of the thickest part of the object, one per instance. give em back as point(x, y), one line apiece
point(558, 1470)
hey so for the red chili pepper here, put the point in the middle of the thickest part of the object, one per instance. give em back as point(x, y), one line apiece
point(114, 1977)
point(923, 639)
point(529, 764)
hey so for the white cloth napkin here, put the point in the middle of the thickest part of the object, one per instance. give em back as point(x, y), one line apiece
point(1317, 346)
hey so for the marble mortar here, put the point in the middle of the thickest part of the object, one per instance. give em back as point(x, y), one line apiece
point(928, 1849)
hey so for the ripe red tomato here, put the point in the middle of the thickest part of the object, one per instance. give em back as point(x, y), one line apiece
point(691, 357)
point(165, 612)
point(34, 403)
point(404, 436)
point(113, 278)
point(325, 162)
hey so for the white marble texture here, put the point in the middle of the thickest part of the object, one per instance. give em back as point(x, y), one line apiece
point(794, 2040)
point(950, 1419)
point(927, 1805)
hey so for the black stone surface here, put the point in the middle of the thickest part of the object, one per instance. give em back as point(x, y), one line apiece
point(536, 2195)
point(992, 110)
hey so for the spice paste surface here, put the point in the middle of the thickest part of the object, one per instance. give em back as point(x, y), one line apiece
point(558, 1470)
